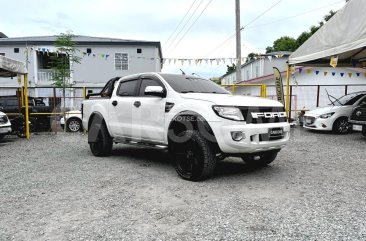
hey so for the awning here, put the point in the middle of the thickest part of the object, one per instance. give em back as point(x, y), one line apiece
point(344, 35)
point(10, 67)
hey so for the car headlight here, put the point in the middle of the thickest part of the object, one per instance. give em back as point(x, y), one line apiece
point(327, 115)
point(228, 112)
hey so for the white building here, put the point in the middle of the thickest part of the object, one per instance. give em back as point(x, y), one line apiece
point(101, 58)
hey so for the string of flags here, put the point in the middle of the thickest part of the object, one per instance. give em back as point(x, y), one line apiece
point(325, 73)
point(182, 61)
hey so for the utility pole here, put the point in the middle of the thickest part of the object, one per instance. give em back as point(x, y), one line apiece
point(238, 41)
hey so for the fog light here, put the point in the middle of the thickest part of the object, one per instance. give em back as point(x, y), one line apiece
point(237, 135)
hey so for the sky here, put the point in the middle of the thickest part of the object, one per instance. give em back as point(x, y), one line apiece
point(187, 29)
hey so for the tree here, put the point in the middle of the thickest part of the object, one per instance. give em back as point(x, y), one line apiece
point(62, 61)
point(251, 56)
point(286, 43)
point(230, 69)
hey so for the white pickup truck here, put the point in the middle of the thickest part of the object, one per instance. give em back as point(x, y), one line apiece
point(197, 120)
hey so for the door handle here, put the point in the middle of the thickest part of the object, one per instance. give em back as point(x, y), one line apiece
point(137, 104)
point(114, 103)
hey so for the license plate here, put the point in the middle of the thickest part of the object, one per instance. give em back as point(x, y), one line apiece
point(357, 127)
point(275, 132)
point(5, 130)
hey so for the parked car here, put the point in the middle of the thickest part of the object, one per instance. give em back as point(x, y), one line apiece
point(11, 104)
point(5, 125)
point(358, 117)
point(198, 121)
point(334, 117)
point(73, 120)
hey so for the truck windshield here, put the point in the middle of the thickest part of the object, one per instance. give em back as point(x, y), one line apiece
point(348, 99)
point(192, 84)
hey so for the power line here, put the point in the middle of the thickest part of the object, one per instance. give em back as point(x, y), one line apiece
point(294, 16)
point(181, 21)
point(189, 19)
point(204, 9)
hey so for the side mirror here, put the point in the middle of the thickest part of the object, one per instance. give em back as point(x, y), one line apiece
point(155, 91)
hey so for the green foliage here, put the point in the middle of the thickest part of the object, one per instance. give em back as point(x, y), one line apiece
point(60, 61)
point(286, 43)
point(230, 69)
point(251, 56)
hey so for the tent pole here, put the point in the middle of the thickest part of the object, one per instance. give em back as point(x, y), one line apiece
point(27, 134)
point(288, 92)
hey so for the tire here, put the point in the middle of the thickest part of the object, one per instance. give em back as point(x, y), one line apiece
point(194, 159)
point(259, 160)
point(103, 144)
point(74, 125)
point(364, 130)
point(341, 126)
point(1, 136)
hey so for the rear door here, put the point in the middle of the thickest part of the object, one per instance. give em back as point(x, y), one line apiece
point(149, 112)
point(120, 108)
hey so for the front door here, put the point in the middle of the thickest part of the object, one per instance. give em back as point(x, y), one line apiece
point(148, 113)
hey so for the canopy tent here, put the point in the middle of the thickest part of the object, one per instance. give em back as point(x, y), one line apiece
point(344, 35)
point(11, 68)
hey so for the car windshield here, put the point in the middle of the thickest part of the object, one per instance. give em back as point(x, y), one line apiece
point(348, 99)
point(192, 84)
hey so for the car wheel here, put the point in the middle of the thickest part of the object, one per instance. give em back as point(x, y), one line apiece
point(364, 130)
point(74, 125)
point(194, 158)
point(259, 160)
point(103, 144)
point(341, 126)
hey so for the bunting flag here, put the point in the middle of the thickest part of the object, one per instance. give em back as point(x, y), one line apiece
point(350, 75)
point(364, 74)
point(358, 74)
point(300, 70)
point(106, 56)
point(317, 72)
point(325, 73)
point(309, 71)
point(341, 74)
point(333, 73)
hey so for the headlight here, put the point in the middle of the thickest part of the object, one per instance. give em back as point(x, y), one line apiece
point(326, 116)
point(228, 112)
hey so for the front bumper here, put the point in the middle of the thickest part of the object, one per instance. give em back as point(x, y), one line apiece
point(254, 140)
point(5, 129)
point(316, 123)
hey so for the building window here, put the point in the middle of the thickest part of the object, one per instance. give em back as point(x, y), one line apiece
point(139, 51)
point(2, 54)
point(88, 51)
point(121, 61)
point(16, 50)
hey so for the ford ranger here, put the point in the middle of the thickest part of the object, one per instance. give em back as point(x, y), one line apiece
point(197, 120)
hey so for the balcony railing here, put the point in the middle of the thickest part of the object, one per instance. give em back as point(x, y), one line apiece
point(45, 77)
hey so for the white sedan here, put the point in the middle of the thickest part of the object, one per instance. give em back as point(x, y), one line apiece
point(334, 117)
point(73, 121)
point(5, 125)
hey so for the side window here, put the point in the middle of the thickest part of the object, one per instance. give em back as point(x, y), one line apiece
point(127, 88)
point(148, 82)
point(12, 102)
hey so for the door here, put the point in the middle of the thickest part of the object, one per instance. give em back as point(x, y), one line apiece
point(120, 108)
point(149, 113)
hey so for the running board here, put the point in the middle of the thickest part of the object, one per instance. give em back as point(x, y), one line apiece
point(140, 143)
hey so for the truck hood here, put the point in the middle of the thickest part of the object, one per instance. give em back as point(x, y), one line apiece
point(323, 110)
point(232, 100)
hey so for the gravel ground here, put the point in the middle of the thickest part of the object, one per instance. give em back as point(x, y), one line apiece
point(52, 188)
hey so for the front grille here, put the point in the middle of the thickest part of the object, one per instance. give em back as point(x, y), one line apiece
point(359, 114)
point(272, 117)
point(3, 119)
